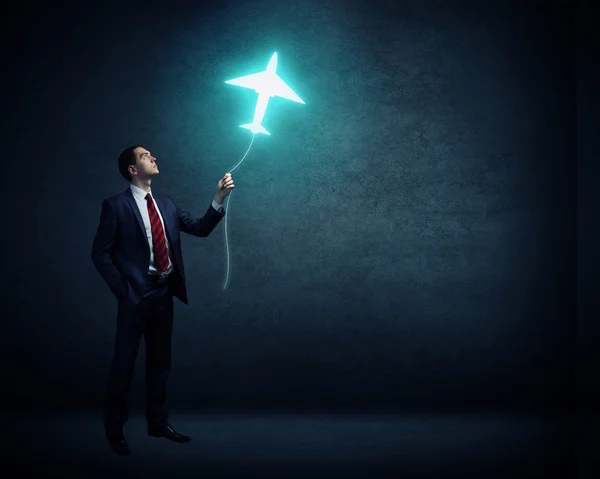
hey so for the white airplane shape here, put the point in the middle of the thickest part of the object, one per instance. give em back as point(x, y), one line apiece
point(267, 84)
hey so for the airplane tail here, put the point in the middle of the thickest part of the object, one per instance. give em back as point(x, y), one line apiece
point(255, 128)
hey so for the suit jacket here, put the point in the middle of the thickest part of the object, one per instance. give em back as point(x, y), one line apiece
point(121, 252)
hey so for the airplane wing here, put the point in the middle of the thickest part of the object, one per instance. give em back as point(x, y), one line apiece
point(254, 81)
point(267, 83)
point(280, 88)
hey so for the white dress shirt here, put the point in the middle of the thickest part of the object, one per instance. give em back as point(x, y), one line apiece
point(140, 198)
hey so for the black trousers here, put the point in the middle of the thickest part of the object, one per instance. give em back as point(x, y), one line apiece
point(151, 318)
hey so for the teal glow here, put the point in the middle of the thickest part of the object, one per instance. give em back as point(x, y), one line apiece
point(267, 84)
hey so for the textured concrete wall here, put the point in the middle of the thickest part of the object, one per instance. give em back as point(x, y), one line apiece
point(406, 237)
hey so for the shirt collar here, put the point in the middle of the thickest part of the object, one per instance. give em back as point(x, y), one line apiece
point(139, 193)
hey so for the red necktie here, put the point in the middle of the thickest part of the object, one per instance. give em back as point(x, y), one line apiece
point(161, 256)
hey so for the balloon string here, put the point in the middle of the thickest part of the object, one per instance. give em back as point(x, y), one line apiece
point(228, 209)
point(252, 141)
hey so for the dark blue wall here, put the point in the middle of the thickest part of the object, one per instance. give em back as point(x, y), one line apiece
point(406, 238)
point(588, 232)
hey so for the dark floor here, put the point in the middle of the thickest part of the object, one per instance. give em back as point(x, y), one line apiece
point(303, 446)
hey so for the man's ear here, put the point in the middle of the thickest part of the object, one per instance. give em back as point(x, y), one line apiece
point(132, 170)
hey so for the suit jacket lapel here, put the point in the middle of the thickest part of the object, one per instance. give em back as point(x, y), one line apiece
point(136, 212)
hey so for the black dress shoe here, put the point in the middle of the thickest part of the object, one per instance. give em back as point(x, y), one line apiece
point(120, 446)
point(169, 432)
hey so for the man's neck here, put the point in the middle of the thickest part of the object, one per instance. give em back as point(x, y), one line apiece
point(143, 185)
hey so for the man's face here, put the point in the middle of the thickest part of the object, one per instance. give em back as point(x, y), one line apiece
point(146, 166)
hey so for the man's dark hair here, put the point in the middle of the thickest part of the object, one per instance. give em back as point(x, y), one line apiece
point(126, 158)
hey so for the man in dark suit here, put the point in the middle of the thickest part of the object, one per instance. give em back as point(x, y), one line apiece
point(137, 250)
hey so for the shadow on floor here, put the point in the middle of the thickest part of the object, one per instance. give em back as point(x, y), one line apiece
point(302, 446)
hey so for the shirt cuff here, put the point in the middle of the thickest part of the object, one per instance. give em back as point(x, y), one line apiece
point(216, 205)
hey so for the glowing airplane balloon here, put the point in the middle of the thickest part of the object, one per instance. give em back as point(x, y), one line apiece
point(267, 84)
